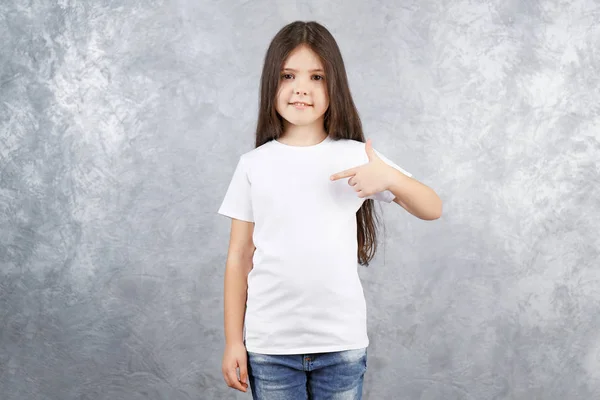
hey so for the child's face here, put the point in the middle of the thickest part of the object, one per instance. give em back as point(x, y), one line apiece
point(302, 80)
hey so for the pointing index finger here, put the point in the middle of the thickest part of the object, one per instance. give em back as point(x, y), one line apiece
point(344, 174)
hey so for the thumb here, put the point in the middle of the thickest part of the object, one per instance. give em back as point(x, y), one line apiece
point(369, 149)
point(243, 372)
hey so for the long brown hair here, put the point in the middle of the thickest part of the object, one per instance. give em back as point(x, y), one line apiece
point(341, 118)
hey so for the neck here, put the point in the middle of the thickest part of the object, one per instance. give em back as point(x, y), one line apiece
point(302, 135)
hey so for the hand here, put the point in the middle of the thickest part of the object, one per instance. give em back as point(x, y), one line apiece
point(369, 178)
point(235, 357)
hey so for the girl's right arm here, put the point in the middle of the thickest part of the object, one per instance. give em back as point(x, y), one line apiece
point(239, 264)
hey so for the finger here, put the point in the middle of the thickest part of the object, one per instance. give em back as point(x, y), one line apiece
point(230, 377)
point(343, 174)
point(244, 374)
point(226, 377)
point(233, 380)
point(370, 151)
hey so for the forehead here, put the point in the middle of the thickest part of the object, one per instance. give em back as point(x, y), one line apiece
point(303, 58)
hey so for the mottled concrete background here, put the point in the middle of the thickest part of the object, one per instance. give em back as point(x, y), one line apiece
point(120, 126)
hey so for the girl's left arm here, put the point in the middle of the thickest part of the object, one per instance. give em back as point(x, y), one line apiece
point(377, 176)
point(416, 198)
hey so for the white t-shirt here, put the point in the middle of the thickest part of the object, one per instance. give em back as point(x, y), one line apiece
point(304, 292)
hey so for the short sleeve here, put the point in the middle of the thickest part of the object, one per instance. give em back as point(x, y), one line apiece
point(238, 201)
point(386, 195)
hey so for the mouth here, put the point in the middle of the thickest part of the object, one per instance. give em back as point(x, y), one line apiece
point(300, 105)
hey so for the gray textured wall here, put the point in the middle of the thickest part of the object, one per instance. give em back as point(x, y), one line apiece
point(120, 125)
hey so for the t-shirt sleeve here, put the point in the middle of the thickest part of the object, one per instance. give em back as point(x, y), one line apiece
point(386, 195)
point(238, 201)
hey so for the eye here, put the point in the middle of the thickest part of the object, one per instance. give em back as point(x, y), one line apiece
point(318, 77)
point(287, 76)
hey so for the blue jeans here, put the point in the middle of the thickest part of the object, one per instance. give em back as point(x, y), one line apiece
point(333, 376)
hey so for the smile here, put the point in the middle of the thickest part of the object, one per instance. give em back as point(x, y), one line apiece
point(300, 105)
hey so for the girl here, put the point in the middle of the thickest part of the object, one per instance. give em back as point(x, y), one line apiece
point(299, 228)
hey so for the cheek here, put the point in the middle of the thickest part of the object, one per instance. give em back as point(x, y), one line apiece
point(280, 97)
point(323, 99)
point(323, 95)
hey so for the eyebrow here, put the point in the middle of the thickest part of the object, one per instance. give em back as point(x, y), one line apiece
point(294, 70)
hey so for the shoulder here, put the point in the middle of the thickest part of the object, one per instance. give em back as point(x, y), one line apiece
point(256, 155)
point(350, 149)
point(349, 144)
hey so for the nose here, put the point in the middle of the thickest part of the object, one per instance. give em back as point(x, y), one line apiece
point(297, 91)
